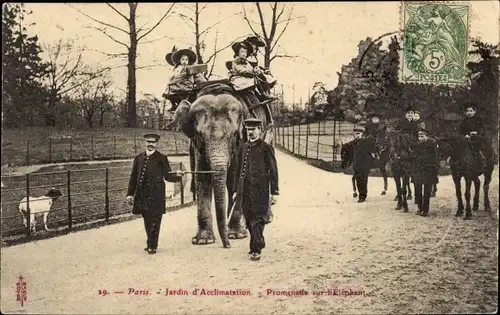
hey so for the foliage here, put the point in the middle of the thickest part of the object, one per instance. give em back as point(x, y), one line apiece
point(485, 83)
point(22, 69)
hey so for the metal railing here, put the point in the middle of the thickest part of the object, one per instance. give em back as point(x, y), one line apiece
point(320, 140)
point(88, 195)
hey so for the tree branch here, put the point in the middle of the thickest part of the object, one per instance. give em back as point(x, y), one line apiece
point(158, 23)
point(121, 14)
point(262, 23)
point(97, 21)
point(284, 29)
point(248, 21)
point(111, 37)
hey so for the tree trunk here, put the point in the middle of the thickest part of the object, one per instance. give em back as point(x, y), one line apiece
point(131, 81)
point(197, 34)
point(101, 119)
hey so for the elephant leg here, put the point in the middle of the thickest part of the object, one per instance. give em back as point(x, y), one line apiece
point(205, 234)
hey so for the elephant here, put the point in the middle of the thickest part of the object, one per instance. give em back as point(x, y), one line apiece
point(214, 124)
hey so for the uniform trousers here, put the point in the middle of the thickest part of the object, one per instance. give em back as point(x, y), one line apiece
point(361, 178)
point(255, 224)
point(423, 192)
point(152, 224)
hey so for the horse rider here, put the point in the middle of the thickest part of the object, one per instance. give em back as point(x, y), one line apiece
point(425, 172)
point(472, 127)
point(374, 128)
point(418, 120)
point(181, 82)
point(408, 125)
point(265, 78)
point(364, 153)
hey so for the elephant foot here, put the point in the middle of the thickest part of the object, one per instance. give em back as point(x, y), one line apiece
point(237, 234)
point(203, 238)
point(383, 193)
point(475, 208)
point(226, 244)
point(354, 195)
point(468, 216)
point(459, 213)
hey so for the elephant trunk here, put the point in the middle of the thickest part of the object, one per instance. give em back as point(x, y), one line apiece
point(219, 155)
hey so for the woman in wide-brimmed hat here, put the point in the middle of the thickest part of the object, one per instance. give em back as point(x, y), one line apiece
point(181, 82)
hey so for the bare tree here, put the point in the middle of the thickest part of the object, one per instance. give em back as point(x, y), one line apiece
point(93, 98)
point(66, 72)
point(275, 28)
point(194, 21)
point(135, 34)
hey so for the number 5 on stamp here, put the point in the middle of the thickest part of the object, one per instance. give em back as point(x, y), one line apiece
point(435, 43)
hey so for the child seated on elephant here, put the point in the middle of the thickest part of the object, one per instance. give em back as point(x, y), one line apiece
point(266, 81)
point(242, 74)
point(181, 82)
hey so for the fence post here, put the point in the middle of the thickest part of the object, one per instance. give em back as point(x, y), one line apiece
point(182, 186)
point(50, 149)
point(92, 143)
point(288, 138)
point(28, 150)
point(298, 143)
point(293, 139)
point(317, 146)
point(28, 219)
point(333, 142)
point(175, 142)
point(71, 148)
point(307, 139)
point(135, 143)
point(283, 136)
point(70, 214)
point(106, 196)
point(114, 146)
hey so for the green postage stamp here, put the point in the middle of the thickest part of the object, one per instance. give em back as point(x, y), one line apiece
point(435, 42)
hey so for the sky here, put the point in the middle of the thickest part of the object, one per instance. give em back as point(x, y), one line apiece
point(324, 34)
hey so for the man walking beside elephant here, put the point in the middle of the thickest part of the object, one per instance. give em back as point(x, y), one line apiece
point(257, 179)
point(146, 189)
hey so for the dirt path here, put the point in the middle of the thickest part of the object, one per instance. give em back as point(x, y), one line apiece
point(321, 239)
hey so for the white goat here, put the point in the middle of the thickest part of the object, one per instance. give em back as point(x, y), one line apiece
point(38, 205)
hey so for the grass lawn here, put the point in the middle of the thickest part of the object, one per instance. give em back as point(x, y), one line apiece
point(87, 193)
point(49, 145)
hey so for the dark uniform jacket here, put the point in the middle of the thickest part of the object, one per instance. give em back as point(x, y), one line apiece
point(147, 185)
point(373, 129)
point(470, 124)
point(363, 160)
point(257, 176)
point(408, 127)
point(425, 162)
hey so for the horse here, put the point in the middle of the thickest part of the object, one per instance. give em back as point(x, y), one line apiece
point(347, 158)
point(465, 163)
point(400, 162)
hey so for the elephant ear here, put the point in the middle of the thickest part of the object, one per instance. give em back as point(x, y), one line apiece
point(199, 114)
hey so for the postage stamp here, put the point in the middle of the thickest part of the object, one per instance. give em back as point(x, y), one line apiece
point(435, 42)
